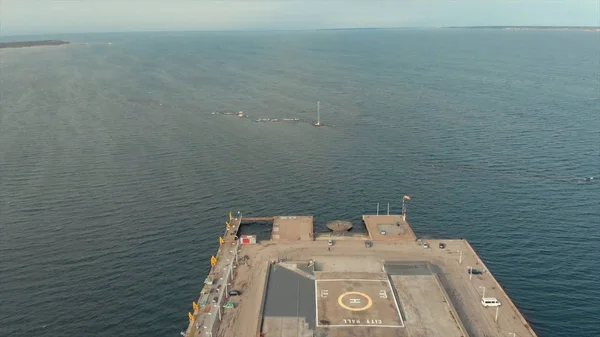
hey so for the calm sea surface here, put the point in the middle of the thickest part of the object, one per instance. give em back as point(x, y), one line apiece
point(116, 179)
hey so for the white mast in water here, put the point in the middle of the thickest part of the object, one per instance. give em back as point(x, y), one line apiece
point(318, 112)
point(318, 123)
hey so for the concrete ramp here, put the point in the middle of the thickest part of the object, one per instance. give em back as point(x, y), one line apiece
point(300, 268)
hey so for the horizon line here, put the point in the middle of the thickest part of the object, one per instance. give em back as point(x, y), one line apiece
point(295, 30)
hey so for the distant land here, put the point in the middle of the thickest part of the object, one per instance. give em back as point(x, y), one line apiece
point(585, 28)
point(21, 44)
point(355, 28)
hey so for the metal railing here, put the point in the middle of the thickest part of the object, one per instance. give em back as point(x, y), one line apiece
point(210, 319)
point(223, 292)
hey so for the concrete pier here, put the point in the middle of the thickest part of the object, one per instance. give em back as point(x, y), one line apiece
point(386, 282)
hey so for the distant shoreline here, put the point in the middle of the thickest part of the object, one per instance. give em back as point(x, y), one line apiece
point(23, 44)
point(581, 28)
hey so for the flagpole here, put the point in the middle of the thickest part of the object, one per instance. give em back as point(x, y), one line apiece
point(404, 209)
point(406, 197)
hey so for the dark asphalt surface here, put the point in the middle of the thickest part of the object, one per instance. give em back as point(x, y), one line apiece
point(407, 268)
point(290, 295)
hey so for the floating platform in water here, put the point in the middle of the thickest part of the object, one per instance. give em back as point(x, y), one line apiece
point(339, 225)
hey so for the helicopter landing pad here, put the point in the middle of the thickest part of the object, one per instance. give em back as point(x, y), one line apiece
point(356, 302)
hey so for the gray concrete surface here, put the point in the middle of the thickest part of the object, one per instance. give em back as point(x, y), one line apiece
point(426, 310)
point(286, 327)
point(360, 331)
point(292, 228)
point(305, 268)
point(392, 229)
point(331, 261)
point(376, 223)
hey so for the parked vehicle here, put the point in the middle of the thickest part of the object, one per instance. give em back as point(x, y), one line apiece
point(442, 245)
point(235, 293)
point(490, 302)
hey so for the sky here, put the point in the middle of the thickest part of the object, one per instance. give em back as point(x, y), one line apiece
point(35, 17)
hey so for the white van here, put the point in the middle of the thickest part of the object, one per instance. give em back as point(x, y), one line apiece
point(490, 302)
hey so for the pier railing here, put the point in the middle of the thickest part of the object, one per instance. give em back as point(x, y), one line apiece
point(501, 288)
point(214, 328)
point(206, 321)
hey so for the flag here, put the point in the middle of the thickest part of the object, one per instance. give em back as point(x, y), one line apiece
point(230, 216)
point(221, 241)
point(406, 197)
point(191, 317)
point(195, 306)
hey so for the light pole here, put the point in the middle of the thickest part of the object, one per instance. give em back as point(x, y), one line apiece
point(377, 208)
point(460, 257)
point(496, 318)
point(470, 272)
point(513, 334)
point(483, 295)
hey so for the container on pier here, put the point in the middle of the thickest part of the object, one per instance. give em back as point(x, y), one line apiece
point(248, 239)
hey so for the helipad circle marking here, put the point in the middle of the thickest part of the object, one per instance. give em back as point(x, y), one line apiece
point(367, 306)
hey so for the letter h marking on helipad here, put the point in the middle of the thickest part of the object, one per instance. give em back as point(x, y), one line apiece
point(355, 301)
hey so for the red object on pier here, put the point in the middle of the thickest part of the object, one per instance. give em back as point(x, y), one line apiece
point(248, 239)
